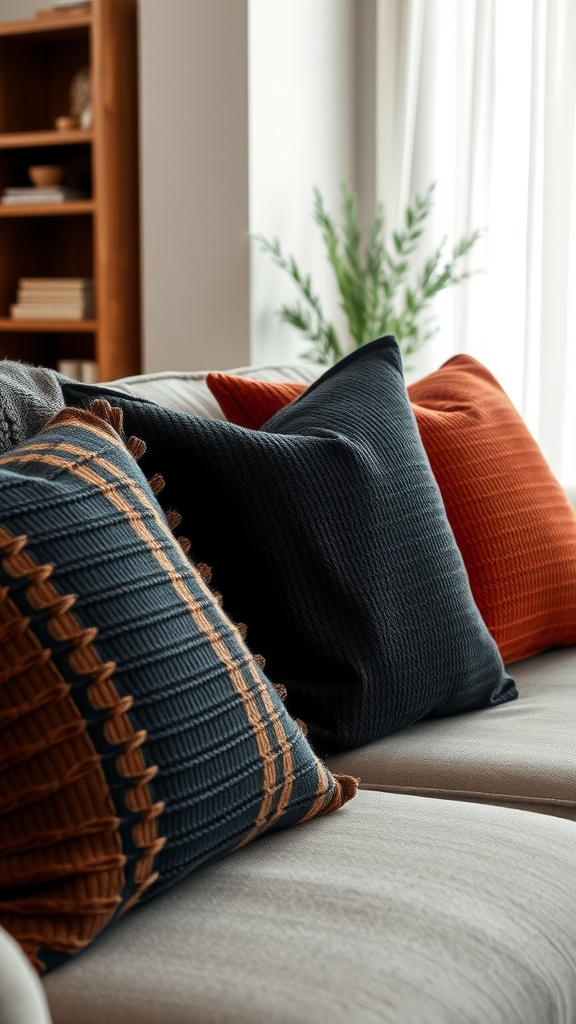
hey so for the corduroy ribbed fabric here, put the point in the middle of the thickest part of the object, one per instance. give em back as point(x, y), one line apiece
point(249, 403)
point(139, 739)
point(512, 520)
point(328, 537)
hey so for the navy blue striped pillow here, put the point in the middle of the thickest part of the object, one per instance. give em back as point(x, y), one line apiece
point(139, 739)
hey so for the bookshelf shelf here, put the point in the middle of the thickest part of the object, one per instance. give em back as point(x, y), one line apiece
point(51, 137)
point(96, 237)
point(58, 326)
point(71, 207)
point(36, 29)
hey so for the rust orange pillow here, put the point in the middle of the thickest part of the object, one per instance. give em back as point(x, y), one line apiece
point(513, 522)
point(249, 403)
point(514, 526)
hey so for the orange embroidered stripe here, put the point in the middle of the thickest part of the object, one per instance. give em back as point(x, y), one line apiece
point(89, 474)
point(287, 761)
point(321, 793)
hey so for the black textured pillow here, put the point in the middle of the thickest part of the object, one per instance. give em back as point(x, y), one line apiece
point(327, 532)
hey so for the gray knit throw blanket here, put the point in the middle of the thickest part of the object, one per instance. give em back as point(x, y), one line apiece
point(29, 397)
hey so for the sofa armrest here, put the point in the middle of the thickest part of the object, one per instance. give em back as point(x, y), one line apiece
point(22, 999)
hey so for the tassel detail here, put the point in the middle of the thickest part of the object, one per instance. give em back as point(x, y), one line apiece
point(137, 447)
point(205, 572)
point(110, 414)
point(174, 518)
point(156, 483)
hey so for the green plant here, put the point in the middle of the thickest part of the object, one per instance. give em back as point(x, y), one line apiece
point(381, 291)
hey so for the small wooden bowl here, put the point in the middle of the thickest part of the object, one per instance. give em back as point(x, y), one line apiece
point(66, 124)
point(45, 175)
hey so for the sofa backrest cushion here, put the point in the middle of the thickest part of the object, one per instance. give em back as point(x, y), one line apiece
point(139, 739)
point(327, 534)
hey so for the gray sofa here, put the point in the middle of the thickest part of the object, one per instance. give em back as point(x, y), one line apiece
point(445, 892)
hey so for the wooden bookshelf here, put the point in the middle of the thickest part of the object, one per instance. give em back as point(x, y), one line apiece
point(96, 237)
point(38, 27)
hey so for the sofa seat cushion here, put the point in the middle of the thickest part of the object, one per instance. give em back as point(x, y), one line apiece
point(394, 911)
point(520, 755)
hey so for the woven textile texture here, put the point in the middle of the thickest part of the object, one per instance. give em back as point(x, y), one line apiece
point(326, 532)
point(251, 406)
point(514, 526)
point(29, 397)
point(513, 522)
point(139, 739)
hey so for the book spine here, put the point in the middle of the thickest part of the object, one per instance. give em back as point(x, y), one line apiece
point(55, 282)
point(48, 313)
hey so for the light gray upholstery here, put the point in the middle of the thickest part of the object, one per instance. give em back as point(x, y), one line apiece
point(393, 910)
point(521, 754)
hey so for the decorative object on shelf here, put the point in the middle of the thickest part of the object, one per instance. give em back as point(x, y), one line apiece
point(54, 298)
point(66, 123)
point(380, 288)
point(46, 175)
point(81, 98)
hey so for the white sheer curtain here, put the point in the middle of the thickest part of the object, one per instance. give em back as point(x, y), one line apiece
point(480, 96)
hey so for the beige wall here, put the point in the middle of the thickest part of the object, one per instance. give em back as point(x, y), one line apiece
point(12, 10)
point(194, 183)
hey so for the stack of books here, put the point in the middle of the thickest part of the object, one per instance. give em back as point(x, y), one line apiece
point(53, 194)
point(54, 298)
point(85, 370)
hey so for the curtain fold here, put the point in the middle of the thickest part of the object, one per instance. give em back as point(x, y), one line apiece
point(481, 98)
